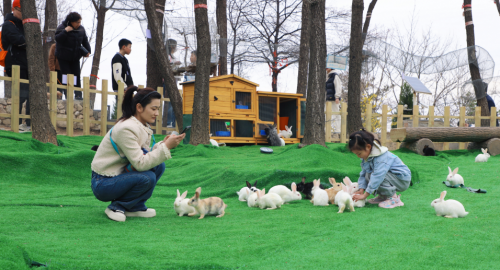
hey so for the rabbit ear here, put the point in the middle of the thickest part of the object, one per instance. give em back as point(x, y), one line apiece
point(198, 192)
point(344, 188)
point(347, 181)
point(178, 194)
point(290, 128)
point(263, 191)
point(449, 169)
point(331, 180)
point(248, 184)
point(455, 171)
point(294, 187)
point(484, 150)
point(255, 183)
point(442, 195)
point(184, 194)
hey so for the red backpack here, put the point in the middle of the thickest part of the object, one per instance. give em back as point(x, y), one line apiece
point(3, 52)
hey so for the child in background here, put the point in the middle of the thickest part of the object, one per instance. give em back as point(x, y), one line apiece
point(382, 174)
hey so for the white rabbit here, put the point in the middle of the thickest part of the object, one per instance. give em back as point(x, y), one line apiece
point(448, 208)
point(213, 142)
point(454, 178)
point(286, 194)
point(344, 199)
point(180, 205)
point(243, 194)
point(484, 156)
point(286, 133)
point(252, 199)
point(353, 187)
point(320, 196)
point(270, 200)
point(282, 142)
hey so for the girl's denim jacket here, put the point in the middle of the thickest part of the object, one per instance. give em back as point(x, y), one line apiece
point(379, 163)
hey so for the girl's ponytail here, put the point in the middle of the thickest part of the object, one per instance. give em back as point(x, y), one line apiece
point(127, 109)
point(143, 96)
point(360, 139)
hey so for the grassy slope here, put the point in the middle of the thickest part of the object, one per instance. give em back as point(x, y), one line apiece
point(50, 212)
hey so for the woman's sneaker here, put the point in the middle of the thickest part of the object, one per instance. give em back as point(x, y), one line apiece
point(378, 199)
point(116, 215)
point(392, 202)
point(148, 213)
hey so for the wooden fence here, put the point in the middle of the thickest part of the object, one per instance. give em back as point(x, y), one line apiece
point(54, 86)
point(415, 119)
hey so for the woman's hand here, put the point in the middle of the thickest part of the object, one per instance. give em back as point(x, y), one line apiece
point(357, 197)
point(68, 28)
point(172, 141)
point(360, 191)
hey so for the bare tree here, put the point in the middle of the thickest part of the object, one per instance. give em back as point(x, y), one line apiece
point(164, 64)
point(154, 75)
point(7, 8)
point(473, 64)
point(200, 130)
point(239, 31)
point(275, 43)
point(354, 122)
point(42, 127)
point(497, 3)
point(49, 32)
point(315, 106)
point(304, 50)
point(368, 18)
point(221, 14)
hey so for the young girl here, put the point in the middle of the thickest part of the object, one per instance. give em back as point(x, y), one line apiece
point(382, 174)
point(125, 169)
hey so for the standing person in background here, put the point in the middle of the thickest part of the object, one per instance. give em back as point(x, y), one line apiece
point(491, 102)
point(333, 92)
point(54, 64)
point(120, 67)
point(13, 41)
point(71, 44)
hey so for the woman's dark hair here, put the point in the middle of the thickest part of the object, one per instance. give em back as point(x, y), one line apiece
point(360, 139)
point(143, 96)
point(72, 17)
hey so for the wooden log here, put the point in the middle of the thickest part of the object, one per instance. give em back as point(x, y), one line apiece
point(445, 134)
point(493, 146)
point(418, 146)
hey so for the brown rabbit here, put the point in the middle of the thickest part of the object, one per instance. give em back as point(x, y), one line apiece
point(208, 206)
point(336, 187)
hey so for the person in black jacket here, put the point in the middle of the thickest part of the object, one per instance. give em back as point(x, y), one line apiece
point(71, 44)
point(119, 65)
point(13, 41)
point(491, 102)
point(333, 93)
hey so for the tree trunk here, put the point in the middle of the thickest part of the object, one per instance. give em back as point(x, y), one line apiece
point(49, 32)
point(418, 146)
point(96, 59)
point(497, 3)
point(7, 8)
point(445, 134)
point(221, 14)
point(200, 130)
point(41, 126)
point(304, 50)
point(368, 18)
point(473, 65)
point(354, 122)
point(315, 107)
point(163, 61)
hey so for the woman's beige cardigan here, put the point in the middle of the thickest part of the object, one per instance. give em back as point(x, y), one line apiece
point(129, 136)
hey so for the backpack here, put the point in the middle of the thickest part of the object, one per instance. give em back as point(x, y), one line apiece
point(3, 52)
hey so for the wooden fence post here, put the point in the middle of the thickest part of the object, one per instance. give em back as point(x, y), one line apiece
point(328, 121)
point(69, 104)
point(461, 145)
point(400, 118)
point(368, 116)
point(86, 106)
point(104, 108)
point(343, 127)
point(121, 92)
point(159, 119)
point(446, 145)
point(416, 117)
point(383, 128)
point(431, 116)
point(493, 117)
point(477, 116)
point(140, 86)
point(14, 107)
point(53, 98)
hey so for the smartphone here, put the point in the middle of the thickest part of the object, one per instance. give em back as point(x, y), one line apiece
point(185, 129)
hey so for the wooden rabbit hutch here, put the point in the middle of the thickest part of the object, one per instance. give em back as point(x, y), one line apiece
point(239, 113)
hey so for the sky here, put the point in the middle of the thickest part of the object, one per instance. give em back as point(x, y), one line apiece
point(443, 16)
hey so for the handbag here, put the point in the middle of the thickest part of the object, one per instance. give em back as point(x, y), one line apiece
point(83, 51)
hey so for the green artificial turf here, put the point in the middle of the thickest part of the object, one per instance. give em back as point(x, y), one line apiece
point(49, 214)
